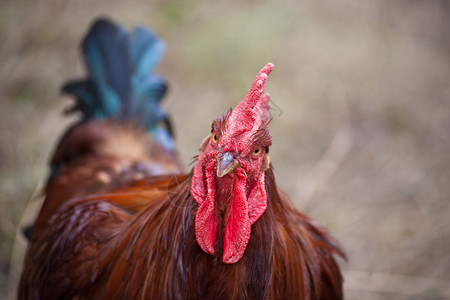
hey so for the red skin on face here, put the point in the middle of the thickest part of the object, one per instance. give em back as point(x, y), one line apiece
point(242, 191)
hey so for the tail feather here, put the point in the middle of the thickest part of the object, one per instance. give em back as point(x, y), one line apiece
point(120, 84)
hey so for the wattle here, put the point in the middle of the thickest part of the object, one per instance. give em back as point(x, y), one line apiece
point(243, 211)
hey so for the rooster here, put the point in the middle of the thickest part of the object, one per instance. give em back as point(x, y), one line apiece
point(122, 221)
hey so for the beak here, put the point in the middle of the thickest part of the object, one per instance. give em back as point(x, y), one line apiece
point(225, 164)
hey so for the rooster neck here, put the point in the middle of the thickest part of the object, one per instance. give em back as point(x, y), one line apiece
point(224, 191)
point(253, 270)
point(224, 188)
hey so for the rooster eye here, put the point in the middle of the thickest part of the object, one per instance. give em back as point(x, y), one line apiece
point(214, 138)
point(257, 152)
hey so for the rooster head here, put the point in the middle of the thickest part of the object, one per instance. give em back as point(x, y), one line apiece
point(228, 181)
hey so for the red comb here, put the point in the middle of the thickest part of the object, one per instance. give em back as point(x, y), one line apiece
point(254, 96)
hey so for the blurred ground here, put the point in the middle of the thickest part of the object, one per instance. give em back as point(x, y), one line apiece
point(361, 127)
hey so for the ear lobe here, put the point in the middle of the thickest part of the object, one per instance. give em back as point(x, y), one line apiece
point(265, 163)
point(204, 143)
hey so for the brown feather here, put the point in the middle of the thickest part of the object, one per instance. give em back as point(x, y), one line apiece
point(117, 226)
point(219, 125)
point(102, 251)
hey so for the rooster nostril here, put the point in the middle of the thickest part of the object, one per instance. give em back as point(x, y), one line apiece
point(227, 157)
point(225, 164)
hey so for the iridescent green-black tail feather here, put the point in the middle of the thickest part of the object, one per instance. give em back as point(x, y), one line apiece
point(121, 83)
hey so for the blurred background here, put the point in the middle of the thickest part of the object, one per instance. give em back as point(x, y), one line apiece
point(361, 115)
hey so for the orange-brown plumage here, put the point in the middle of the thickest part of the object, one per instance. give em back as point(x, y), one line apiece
point(152, 252)
point(120, 220)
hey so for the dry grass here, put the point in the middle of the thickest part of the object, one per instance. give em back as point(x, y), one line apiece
point(361, 130)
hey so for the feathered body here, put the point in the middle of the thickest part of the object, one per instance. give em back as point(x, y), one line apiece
point(121, 221)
